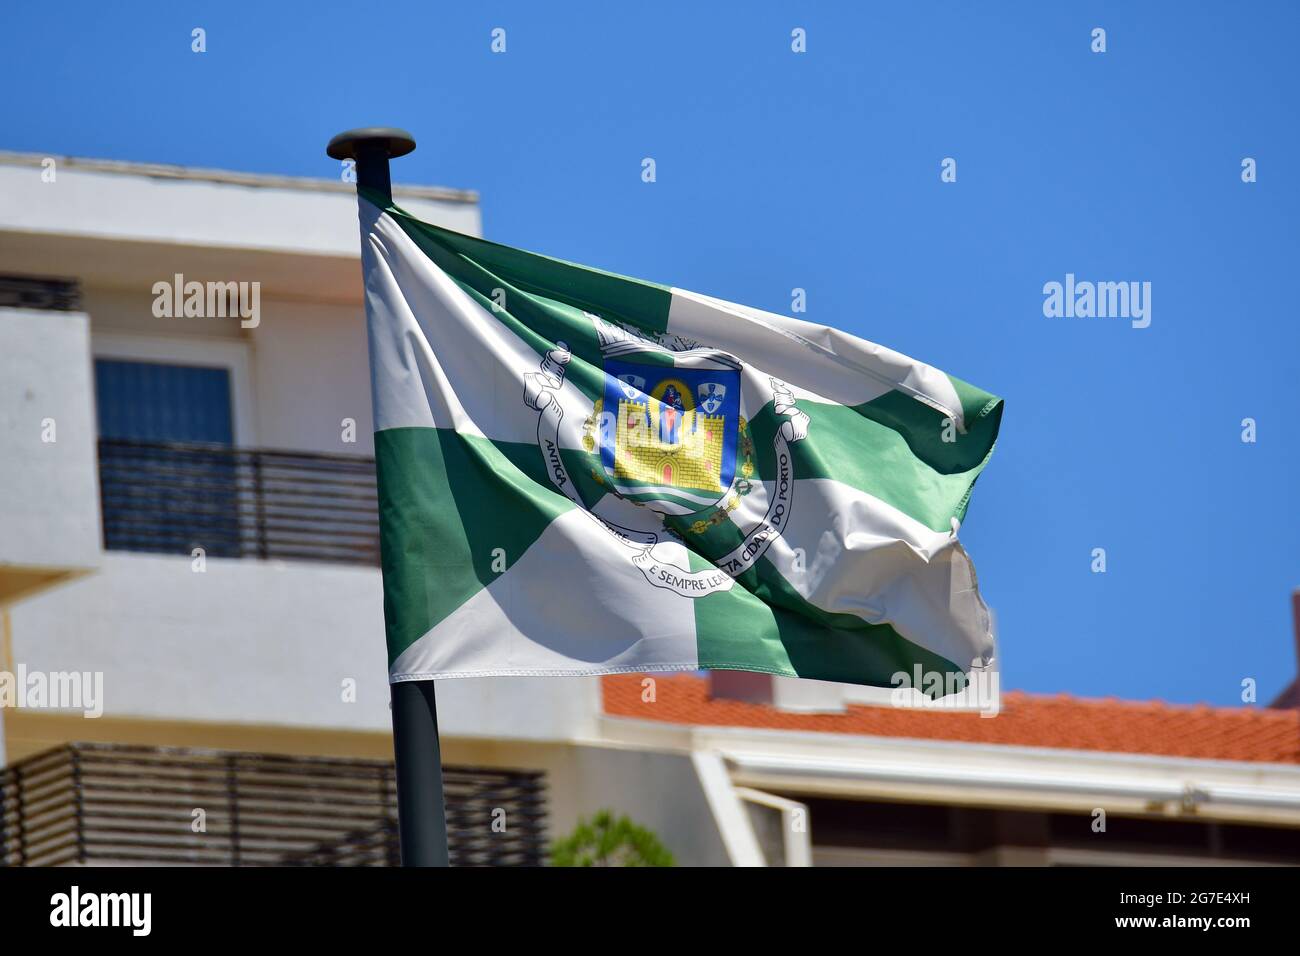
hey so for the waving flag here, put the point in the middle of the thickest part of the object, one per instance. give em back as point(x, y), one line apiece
point(582, 473)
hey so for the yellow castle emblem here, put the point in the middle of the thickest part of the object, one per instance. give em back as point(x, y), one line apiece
point(668, 445)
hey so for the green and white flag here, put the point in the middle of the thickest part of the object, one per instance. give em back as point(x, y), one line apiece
point(582, 473)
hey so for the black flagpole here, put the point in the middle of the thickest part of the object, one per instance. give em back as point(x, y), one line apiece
point(421, 812)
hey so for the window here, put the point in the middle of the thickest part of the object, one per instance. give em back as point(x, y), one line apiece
point(168, 474)
point(150, 401)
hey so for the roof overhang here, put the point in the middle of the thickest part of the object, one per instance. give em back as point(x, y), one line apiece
point(121, 225)
point(984, 775)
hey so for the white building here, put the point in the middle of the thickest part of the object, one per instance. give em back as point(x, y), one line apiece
point(186, 507)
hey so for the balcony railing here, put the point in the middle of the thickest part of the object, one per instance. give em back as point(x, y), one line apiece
point(172, 497)
point(36, 292)
point(117, 804)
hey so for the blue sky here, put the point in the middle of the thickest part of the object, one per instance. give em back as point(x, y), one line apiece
point(821, 171)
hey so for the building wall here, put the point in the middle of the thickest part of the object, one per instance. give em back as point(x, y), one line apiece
point(295, 377)
point(49, 495)
point(264, 643)
point(251, 641)
point(196, 208)
point(311, 371)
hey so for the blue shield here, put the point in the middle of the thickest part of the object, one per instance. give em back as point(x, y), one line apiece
point(668, 432)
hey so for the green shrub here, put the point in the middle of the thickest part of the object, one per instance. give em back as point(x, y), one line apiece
point(608, 841)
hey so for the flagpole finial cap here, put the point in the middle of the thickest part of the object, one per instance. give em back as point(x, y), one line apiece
point(396, 142)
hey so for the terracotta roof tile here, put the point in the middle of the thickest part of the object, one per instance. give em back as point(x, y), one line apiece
point(1027, 720)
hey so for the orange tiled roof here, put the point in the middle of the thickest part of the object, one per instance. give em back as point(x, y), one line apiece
point(1027, 720)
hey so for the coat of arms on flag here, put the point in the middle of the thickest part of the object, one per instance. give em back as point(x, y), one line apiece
point(663, 452)
point(669, 440)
